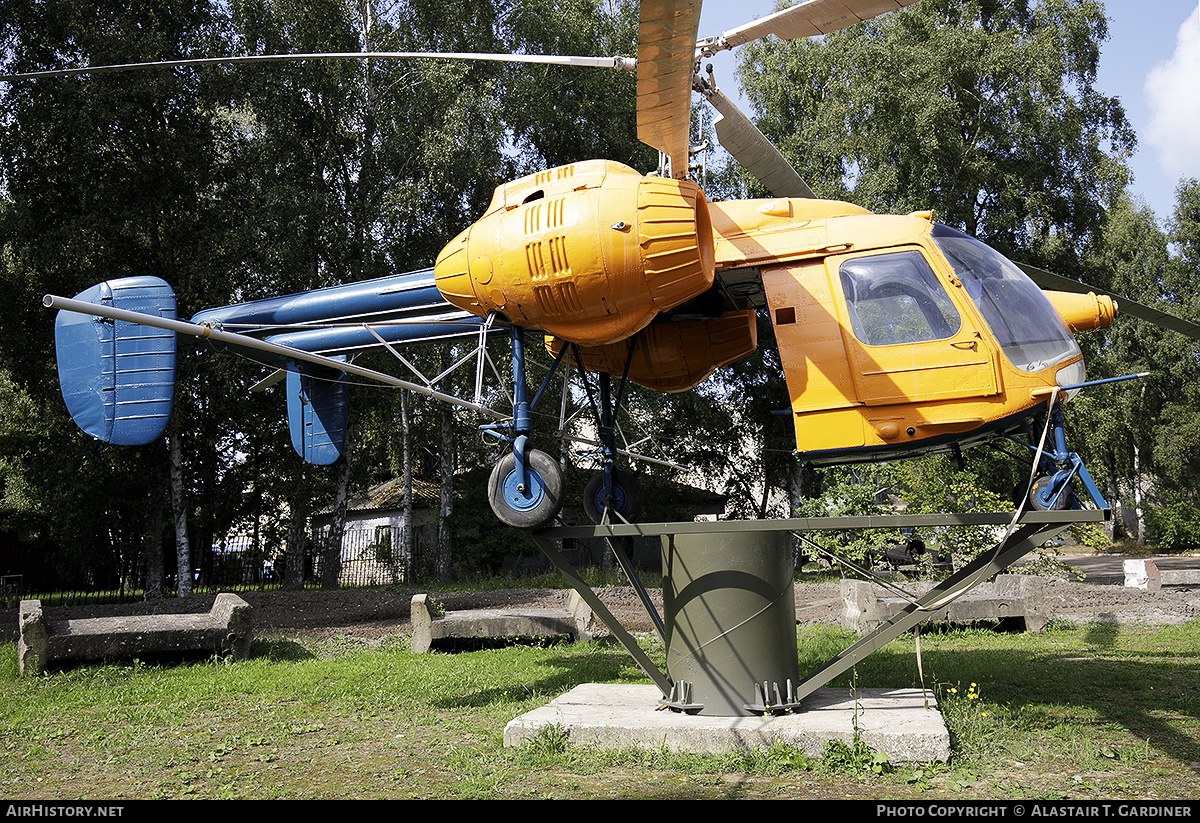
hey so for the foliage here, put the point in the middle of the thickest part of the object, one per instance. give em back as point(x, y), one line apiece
point(988, 113)
point(1139, 436)
point(919, 486)
point(1175, 523)
point(235, 183)
point(985, 111)
point(853, 757)
point(558, 115)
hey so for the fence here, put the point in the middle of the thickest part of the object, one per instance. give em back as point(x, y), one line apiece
point(370, 556)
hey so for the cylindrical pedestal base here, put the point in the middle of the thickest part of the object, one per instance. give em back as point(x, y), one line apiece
point(730, 618)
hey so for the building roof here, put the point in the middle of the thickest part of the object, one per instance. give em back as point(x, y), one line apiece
point(389, 496)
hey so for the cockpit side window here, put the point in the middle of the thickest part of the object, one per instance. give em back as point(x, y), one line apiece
point(896, 298)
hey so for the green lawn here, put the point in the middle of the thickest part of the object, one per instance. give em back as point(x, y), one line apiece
point(1076, 712)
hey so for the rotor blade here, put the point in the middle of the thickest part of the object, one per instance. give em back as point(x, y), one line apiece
point(746, 144)
point(621, 63)
point(807, 19)
point(1056, 282)
point(666, 61)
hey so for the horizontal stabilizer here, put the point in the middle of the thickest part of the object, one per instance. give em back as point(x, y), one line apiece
point(318, 410)
point(118, 377)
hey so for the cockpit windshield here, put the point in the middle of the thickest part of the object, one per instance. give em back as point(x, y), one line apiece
point(1025, 324)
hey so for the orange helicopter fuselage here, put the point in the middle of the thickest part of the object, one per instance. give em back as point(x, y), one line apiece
point(896, 336)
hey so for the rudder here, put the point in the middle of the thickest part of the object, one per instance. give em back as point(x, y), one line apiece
point(118, 378)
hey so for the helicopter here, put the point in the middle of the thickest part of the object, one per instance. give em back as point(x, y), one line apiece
point(898, 336)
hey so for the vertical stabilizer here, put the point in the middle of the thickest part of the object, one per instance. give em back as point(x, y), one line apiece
point(118, 378)
point(317, 413)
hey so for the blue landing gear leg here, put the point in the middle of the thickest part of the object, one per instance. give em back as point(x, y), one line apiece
point(611, 495)
point(525, 489)
point(1051, 489)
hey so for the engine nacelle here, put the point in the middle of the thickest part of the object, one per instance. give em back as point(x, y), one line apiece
point(589, 252)
point(1083, 312)
point(673, 356)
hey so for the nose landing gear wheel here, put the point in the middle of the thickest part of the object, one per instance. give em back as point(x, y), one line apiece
point(1041, 496)
point(537, 502)
point(626, 497)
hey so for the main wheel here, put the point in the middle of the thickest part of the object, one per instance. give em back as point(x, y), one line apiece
point(1041, 496)
point(626, 496)
point(536, 503)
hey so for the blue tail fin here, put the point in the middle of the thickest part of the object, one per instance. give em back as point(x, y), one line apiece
point(318, 411)
point(118, 378)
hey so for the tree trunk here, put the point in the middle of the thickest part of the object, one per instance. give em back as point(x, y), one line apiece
point(405, 552)
point(1138, 512)
point(331, 560)
point(1114, 527)
point(153, 553)
point(183, 555)
point(1138, 508)
point(293, 572)
point(795, 495)
point(442, 563)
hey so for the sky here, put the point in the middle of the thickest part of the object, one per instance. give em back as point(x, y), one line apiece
point(1151, 62)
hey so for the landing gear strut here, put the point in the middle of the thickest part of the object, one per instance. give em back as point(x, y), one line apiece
point(611, 495)
point(525, 489)
point(1051, 488)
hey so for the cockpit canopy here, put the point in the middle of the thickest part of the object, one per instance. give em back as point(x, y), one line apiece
point(1029, 331)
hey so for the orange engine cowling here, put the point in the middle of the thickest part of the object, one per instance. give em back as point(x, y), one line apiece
point(673, 356)
point(589, 252)
point(1083, 312)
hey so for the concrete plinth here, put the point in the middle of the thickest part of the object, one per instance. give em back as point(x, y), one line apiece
point(903, 724)
point(1011, 597)
point(226, 627)
point(576, 620)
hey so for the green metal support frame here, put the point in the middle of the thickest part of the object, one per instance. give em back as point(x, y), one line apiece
point(1023, 536)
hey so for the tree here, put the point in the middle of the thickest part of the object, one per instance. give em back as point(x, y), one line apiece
point(1175, 520)
point(104, 178)
point(984, 110)
point(562, 114)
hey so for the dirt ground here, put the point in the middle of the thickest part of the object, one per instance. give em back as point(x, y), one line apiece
point(373, 614)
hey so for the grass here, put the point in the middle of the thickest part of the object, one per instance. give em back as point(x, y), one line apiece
point(1077, 712)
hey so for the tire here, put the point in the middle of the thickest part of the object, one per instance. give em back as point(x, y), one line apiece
point(1066, 500)
point(627, 497)
point(537, 505)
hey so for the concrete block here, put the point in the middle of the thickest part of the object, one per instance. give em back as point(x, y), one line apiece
point(1179, 577)
point(903, 724)
point(867, 606)
point(1142, 573)
point(576, 620)
point(33, 642)
point(227, 627)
